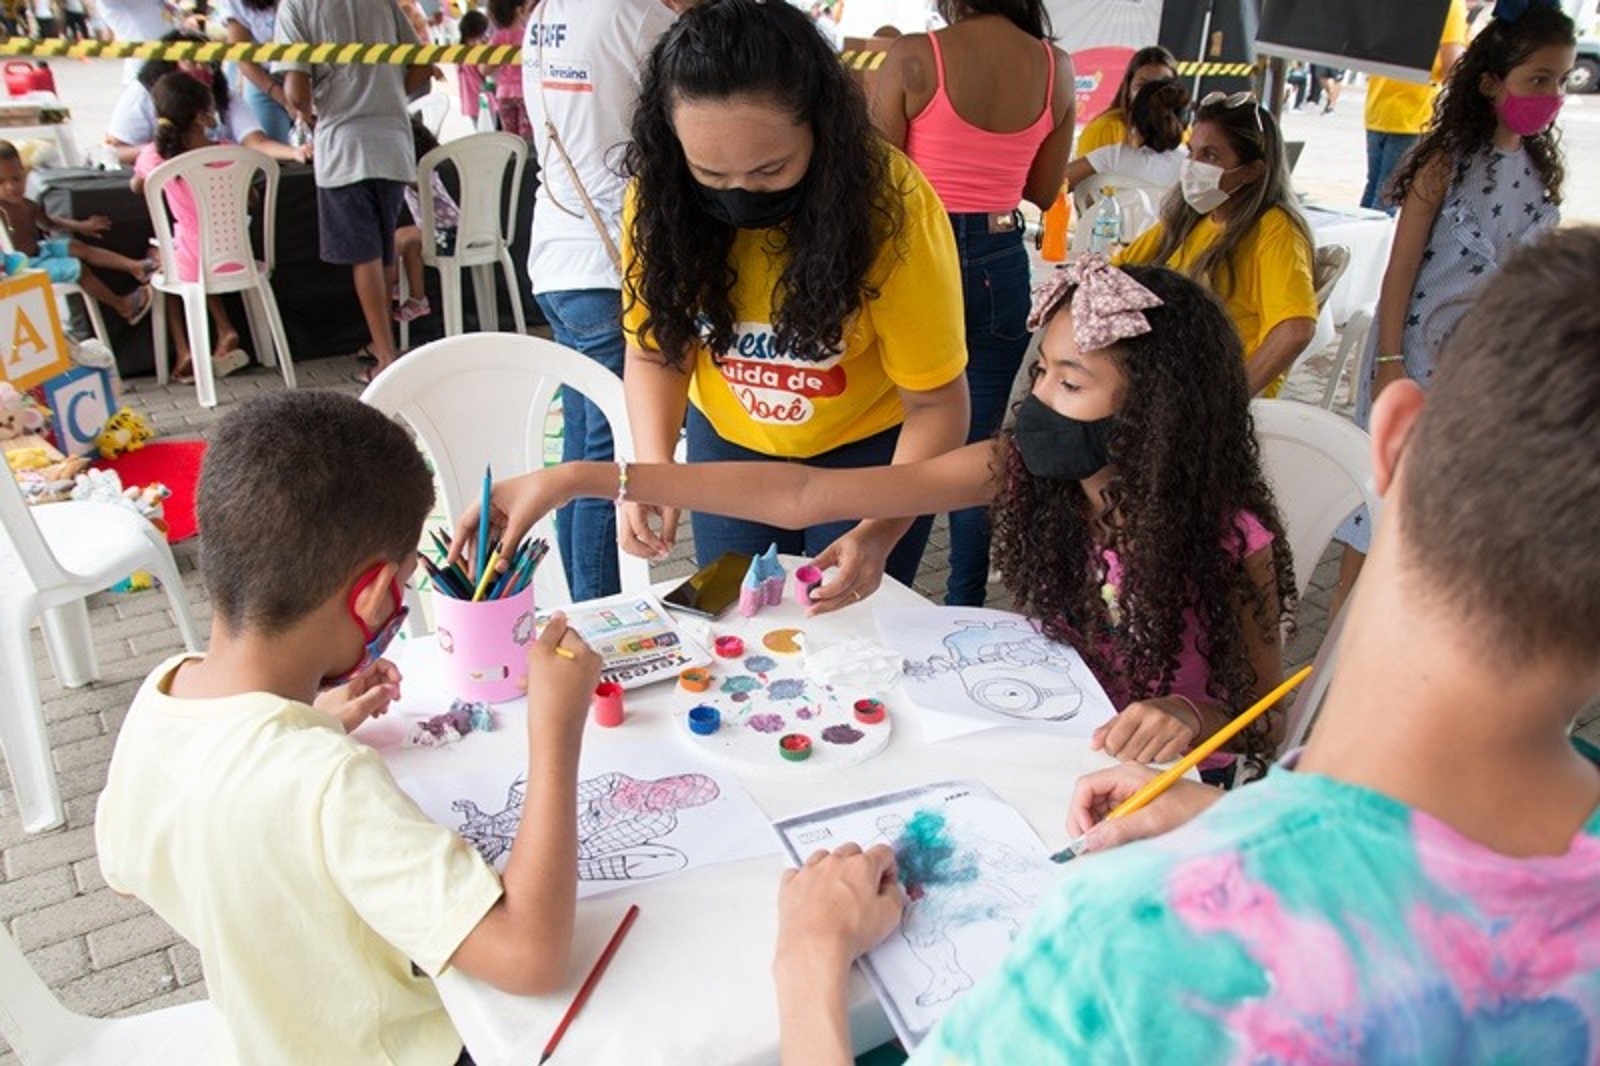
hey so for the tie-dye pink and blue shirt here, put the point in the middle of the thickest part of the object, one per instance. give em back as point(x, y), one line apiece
point(1304, 920)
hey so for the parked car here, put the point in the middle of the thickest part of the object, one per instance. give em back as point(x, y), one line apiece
point(1586, 72)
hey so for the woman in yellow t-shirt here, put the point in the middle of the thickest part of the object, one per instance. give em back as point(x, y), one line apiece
point(1111, 125)
point(1232, 223)
point(790, 282)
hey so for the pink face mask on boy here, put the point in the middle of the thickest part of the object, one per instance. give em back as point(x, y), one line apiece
point(1528, 115)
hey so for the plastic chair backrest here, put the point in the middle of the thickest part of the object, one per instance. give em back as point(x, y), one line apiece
point(482, 398)
point(1320, 469)
point(1138, 205)
point(1329, 266)
point(220, 180)
point(24, 538)
point(33, 1021)
point(480, 161)
point(432, 109)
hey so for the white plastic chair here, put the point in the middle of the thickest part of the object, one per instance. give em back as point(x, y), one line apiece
point(220, 180)
point(41, 1030)
point(483, 239)
point(432, 109)
point(1138, 205)
point(1355, 338)
point(1328, 265)
point(1320, 469)
point(52, 557)
point(64, 291)
point(482, 399)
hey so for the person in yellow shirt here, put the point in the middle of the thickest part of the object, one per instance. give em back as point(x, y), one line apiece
point(1232, 223)
point(790, 283)
point(1111, 125)
point(1398, 111)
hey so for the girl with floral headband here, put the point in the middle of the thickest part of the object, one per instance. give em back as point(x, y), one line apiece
point(1130, 512)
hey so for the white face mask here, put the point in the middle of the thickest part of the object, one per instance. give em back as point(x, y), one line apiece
point(1202, 186)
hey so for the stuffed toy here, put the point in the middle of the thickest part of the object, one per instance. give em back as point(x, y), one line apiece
point(126, 431)
point(18, 417)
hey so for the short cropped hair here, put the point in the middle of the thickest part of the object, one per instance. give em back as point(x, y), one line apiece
point(298, 490)
point(8, 153)
point(1502, 484)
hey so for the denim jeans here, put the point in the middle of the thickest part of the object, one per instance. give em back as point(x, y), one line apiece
point(275, 121)
point(588, 321)
point(716, 534)
point(1384, 152)
point(995, 291)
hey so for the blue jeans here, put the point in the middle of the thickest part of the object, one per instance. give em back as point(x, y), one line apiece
point(588, 321)
point(995, 291)
point(275, 121)
point(716, 534)
point(1384, 152)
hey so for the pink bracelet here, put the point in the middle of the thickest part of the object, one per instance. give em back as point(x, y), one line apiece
point(622, 482)
point(1199, 722)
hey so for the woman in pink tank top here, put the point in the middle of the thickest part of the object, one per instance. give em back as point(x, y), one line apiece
point(985, 108)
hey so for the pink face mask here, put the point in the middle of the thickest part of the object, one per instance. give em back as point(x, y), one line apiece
point(1528, 115)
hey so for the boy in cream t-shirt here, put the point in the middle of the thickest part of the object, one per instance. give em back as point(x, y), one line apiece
point(321, 898)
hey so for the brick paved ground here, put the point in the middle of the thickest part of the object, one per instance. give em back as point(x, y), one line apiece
point(104, 954)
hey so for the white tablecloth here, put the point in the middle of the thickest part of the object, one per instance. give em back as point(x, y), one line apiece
point(1368, 235)
point(692, 983)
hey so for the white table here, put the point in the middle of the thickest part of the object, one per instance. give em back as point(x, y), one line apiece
point(692, 983)
point(1368, 234)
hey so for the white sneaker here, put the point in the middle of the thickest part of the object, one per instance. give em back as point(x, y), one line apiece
point(229, 362)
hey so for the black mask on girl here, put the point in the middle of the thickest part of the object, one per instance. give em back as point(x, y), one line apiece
point(750, 208)
point(1057, 447)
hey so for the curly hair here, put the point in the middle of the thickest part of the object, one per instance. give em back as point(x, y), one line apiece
point(1464, 120)
point(850, 207)
point(156, 69)
point(1186, 465)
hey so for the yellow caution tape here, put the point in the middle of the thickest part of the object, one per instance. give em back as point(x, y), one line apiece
point(223, 52)
point(1188, 69)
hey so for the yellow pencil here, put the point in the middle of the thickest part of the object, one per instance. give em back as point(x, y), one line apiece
point(565, 653)
point(488, 576)
point(1161, 782)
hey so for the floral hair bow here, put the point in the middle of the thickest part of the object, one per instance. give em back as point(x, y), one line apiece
point(1107, 305)
point(1512, 10)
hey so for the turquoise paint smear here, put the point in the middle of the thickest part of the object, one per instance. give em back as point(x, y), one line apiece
point(927, 856)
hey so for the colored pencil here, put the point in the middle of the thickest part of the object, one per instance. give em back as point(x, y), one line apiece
point(589, 982)
point(487, 575)
point(483, 520)
point(442, 542)
point(1164, 780)
point(442, 580)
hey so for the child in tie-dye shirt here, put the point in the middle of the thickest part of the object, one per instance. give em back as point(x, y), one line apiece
point(1421, 884)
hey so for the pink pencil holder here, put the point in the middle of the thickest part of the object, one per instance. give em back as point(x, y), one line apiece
point(485, 645)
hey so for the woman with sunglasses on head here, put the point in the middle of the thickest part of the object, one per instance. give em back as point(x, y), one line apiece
point(1232, 224)
point(985, 109)
point(789, 282)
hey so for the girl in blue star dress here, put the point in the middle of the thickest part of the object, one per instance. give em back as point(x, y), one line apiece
point(1485, 179)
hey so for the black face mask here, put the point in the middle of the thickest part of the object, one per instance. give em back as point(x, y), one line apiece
point(750, 208)
point(1059, 448)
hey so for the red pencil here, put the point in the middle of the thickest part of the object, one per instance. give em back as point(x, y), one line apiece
point(589, 982)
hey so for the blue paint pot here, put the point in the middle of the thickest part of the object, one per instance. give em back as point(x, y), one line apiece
point(704, 720)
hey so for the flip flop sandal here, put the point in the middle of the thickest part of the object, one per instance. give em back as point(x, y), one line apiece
point(364, 376)
point(230, 362)
point(143, 309)
point(365, 356)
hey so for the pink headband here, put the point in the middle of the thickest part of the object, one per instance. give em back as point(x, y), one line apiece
point(1107, 305)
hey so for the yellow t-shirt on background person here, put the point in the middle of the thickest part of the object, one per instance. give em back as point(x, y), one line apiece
point(1395, 106)
point(1270, 281)
point(285, 852)
point(911, 336)
point(1108, 127)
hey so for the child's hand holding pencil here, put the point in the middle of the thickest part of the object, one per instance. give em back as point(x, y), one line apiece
point(1096, 795)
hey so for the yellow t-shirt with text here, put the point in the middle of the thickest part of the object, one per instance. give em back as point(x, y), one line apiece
point(912, 336)
point(1395, 106)
point(1270, 281)
point(283, 850)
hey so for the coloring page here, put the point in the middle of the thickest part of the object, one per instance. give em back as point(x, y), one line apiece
point(973, 872)
point(644, 812)
point(993, 667)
